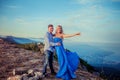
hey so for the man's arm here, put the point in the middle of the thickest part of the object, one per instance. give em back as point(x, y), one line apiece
point(47, 40)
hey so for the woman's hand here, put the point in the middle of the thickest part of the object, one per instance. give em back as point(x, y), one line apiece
point(70, 35)
point(77, 34)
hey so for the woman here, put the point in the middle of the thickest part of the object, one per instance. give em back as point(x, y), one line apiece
point(68, 61)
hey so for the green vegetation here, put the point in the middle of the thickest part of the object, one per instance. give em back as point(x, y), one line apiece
point(88, 66)
point(32, 46)
point(102, 74)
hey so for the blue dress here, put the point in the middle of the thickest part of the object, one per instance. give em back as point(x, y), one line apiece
point(68, 61)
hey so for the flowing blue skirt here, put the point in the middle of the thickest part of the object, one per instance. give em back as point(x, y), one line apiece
point(68, 62)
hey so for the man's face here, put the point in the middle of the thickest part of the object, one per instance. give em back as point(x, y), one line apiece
point(50, 29)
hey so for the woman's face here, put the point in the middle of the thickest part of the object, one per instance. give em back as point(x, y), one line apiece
point(59, 30)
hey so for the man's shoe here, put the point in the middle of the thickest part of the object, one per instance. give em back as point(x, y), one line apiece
point(53, 73)
point(44, 75)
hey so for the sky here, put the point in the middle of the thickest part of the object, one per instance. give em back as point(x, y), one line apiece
point(96, 20)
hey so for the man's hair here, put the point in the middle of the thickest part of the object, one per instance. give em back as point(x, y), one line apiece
point(50, 25)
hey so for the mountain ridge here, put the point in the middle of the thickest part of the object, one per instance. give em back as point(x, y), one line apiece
point(18, 62)
point(109, 66)
point(21, 40)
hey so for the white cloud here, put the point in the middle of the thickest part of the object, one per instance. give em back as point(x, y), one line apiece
point(89, 2)
point(19, 20)
point(116, 0)
point(96, 24)
point(84, 1)
point(91, 30)
point(12, 6)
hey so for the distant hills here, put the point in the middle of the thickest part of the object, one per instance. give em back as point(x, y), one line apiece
point(109, 73)
point(20, 40)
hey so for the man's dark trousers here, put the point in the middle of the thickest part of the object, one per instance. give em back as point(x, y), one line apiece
point(48, 59)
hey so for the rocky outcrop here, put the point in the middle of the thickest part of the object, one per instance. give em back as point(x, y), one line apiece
point(20, 64)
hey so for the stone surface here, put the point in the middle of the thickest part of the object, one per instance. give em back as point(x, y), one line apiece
point(21, 64)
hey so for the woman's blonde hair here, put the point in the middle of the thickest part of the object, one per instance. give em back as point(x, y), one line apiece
point(59, 26)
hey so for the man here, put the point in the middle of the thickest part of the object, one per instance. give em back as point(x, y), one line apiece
point(48, 50)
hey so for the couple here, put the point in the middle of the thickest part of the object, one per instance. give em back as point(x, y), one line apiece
point(68, 61)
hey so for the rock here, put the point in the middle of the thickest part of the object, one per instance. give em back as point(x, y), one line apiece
point(96, 73)
point(33, 78)
point(14, 72)
point(21, 70)
point(24, 77)
point(84, 68)
point(17, 77)
point(38, 75)
point(1, 40)
point(30, 71)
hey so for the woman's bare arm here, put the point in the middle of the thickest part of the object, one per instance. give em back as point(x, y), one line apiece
point(70, 35)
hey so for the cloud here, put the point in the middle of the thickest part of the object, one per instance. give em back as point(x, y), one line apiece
point(85, 1)
point(89, 2)
point(116, 0)
point(96, 23)
point(20, 20)
point(12, 6)
point(90, 26)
